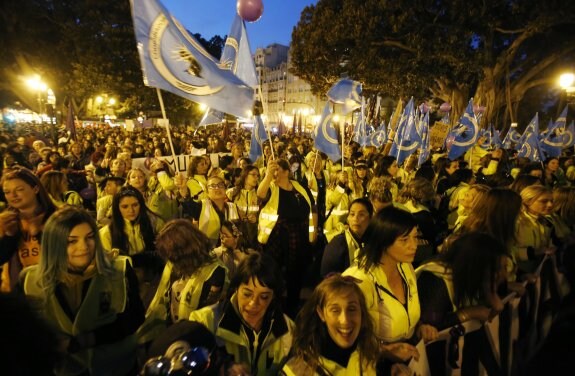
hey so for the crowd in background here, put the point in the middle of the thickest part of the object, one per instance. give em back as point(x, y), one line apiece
point(293, 264)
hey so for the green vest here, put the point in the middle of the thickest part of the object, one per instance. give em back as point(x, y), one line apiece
point(106, 296)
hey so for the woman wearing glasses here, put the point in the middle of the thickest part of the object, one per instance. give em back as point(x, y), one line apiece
point(210, 212)
point(250, 323)
point(21, 223)
point(389, 285)
point(334, 332)
point(245, 196)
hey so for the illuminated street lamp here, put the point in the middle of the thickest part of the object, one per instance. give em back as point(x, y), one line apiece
point(35, 83)
point(566, 81)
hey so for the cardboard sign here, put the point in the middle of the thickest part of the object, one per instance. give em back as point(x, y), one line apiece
point(437, 134)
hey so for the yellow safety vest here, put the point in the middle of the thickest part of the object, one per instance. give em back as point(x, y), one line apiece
point(269, 213)
point(209, 222)
point(198, 186)
point(157, 313)
point(246, 202)
point(230, 332)
point(393, 322)
point(298, 367)
point(106, 297)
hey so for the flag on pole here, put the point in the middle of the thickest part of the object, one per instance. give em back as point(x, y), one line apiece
point(71, 121)
point(326, 136)
point(359, 131)
point(259, 135)
point(425, 149)
point(495, 137)
point(346, 92)
point(464, 135)
point(512, 138)
point(407, 139)
point(174, 61)
point(553, 141)
point(530, 147)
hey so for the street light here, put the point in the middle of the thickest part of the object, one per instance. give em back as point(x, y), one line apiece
point(566, 81)
point(35, 83)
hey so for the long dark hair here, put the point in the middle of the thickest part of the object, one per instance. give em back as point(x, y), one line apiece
point(242, 180)
point(473, 258)
point(495, 214)
point(385, 227)
point(119, 236)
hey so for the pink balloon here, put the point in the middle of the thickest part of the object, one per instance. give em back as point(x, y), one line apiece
point(250, 10)
point(423, 108)
point(445, 107)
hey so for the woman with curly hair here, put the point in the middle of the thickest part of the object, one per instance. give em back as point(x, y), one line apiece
point(192, 278)
point(334, 332)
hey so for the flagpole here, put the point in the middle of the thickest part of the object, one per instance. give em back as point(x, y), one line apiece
point(167, 124)
point(342, 144)
point(266, 128)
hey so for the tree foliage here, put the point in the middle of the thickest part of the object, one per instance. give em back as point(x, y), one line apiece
point(493, 50)
point(81, 49)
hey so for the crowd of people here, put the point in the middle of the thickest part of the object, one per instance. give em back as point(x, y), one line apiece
point(290, 264)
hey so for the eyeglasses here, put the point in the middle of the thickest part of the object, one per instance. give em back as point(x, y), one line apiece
point(194, 361)
point(217, 186)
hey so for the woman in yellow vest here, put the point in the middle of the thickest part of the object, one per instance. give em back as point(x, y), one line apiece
point(56, 184)
point(159, 200)
point(334, 333)
point(21, 223)
point(192, 277)
point(337, 205)
point(209, 213)
point(389, 285)
point(287, 225)
point(92, 302)
point(461, 285)
point(132, 233)
point(250, 323)
point(533, 230)
point(245, 196)
point(341, 252)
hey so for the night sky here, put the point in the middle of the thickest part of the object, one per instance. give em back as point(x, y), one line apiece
point(214, 17)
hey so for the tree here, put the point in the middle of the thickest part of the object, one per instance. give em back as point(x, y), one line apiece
point(494, 50)
point(81, 49)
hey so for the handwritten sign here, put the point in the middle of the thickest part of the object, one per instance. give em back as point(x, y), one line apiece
point(437, 134)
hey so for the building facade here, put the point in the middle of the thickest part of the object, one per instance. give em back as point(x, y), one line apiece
point(284, 96)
